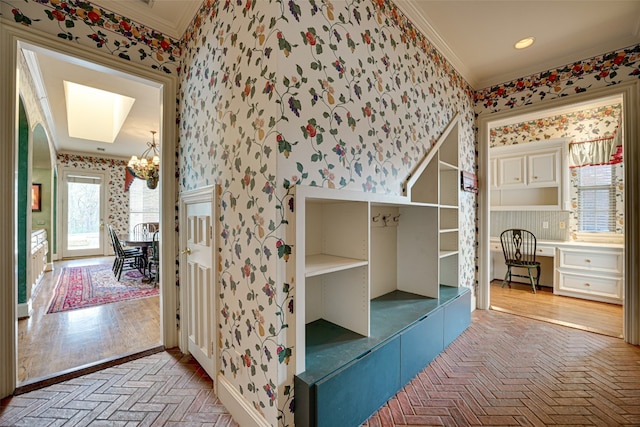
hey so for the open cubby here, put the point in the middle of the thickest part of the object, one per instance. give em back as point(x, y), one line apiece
point(379, 277)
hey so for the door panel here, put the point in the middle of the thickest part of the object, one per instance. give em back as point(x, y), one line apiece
point(200, 284)
point(83, 213)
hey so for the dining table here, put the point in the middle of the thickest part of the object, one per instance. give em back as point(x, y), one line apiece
point(139, 240)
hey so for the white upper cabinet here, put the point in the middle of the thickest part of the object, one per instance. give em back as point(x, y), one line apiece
point(543, 168)
point(511, 171)
point(532, 176)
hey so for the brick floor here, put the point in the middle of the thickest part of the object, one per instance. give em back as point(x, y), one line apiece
point(509, 370)
point(504, 370)
point(164, 389)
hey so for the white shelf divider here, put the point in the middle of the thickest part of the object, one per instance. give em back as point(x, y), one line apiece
point(322, 264)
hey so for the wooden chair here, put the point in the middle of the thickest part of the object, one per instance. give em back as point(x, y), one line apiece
point(126, 259)
point(519, 249)
point(145, 228)
point(154, 260)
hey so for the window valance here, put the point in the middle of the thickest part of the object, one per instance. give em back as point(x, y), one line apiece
point(601, 151)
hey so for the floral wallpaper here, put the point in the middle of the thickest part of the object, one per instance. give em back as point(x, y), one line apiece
point(603, 70)
point(77, 21)
point(117, 199)
point(274, 94)
point(579, 125)
point(226, 134)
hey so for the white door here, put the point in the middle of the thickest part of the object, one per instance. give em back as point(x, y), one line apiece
point(83, 212)
point(199, 278)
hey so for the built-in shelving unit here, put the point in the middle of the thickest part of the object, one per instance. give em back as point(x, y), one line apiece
point(377, 274)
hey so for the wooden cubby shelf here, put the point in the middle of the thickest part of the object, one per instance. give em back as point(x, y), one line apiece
point(378, 281)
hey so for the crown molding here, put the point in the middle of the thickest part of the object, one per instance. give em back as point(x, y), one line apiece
point(170, 17)
point(412, 12)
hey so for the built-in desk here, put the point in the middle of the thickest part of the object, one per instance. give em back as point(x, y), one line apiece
point(585, 270)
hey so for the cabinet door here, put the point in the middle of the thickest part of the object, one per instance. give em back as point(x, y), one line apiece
point(543, 168)
point(493, 173)
point(511, 171)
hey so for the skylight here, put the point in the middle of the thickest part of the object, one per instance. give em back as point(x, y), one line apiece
point(95, 114)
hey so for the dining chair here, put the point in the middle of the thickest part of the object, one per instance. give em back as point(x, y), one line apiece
point(146, 228)
point(519, 250)
point(126, 259)
point(154, 259)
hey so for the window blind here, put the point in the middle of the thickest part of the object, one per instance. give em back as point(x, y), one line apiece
point(596, 199)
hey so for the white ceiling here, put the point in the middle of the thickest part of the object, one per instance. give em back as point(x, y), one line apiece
point(49, 70)
point(476, 36)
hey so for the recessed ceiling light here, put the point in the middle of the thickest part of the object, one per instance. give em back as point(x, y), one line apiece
point(524, 43)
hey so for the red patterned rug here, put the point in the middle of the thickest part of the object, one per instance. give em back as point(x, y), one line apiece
point(91, 285)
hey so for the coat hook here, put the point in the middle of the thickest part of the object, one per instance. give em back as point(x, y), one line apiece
point(396, 218)
point(385, 219)
point(375, 218)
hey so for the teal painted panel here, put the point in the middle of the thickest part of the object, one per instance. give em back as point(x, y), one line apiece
point(420, 344)
point(23, 195)
point(305, 412)
point(457, 317)
point(353, 394)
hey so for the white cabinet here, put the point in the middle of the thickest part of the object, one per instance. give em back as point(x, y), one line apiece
point(543, 168)
point(511, 171)
point(532, 176)
point(591, 272)
point(38, 265)
point(493, 174)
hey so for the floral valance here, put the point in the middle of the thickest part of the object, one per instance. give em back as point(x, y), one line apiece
point(601, 151)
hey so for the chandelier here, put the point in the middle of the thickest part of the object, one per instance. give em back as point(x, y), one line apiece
point(147, 167)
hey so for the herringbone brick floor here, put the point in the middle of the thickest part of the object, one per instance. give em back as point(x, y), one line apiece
point(164, 389)
point(507, 370)
point(504, 370)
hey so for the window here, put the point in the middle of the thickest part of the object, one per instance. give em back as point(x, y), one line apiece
point(144, 204)
point(596, 199)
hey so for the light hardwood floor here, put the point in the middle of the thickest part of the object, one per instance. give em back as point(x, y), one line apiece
point(50, 344)
point(587, 315)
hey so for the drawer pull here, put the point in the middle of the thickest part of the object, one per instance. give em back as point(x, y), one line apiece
point(517, 179)
point(587, 260)
point(587, 284)
point(535, 177)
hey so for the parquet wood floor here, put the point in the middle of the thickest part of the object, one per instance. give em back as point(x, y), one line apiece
point(53, 343)
point(594, 316)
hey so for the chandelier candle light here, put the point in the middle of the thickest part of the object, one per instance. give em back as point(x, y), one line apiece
point(148, 165)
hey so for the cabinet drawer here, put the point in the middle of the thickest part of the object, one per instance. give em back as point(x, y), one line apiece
point(592, 260)
point(545, 251)
point(350, 395)
point(609, 287)
point(420, 344)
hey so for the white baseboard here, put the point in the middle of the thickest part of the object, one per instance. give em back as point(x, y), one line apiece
point(240, 409)
point(49, 266)
point(24, 309)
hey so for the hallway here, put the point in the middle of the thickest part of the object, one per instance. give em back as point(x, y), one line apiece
point(50, 344)
point(504, 370)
